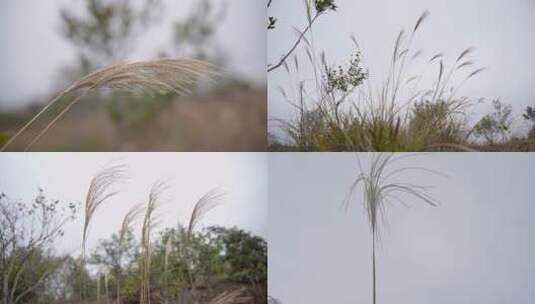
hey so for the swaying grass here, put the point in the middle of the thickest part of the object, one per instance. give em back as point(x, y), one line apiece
point(130, 217)
point(379, 188)
point(99, 193)
point(207, 202)
point(152, 76)
point(149, 223)
point(344, 113)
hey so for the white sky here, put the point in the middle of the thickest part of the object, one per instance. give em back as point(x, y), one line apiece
point(476, 247)
point(501, 31)
point(66, 176)
point(33, 50)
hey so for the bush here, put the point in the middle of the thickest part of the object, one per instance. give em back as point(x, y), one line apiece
point(496, 125)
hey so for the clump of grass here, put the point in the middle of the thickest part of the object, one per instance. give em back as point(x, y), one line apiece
point(152, 76)
point(379, 188)
point(345, 113)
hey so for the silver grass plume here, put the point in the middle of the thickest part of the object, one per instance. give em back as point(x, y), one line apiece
point(154, 76)
point(378, 189)
point(99, 192)
point(149, 223)
point(207, 202)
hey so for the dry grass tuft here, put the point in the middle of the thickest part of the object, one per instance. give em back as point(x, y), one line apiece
point(130, 217)
point(230, 297)
point(424, 15)
point(98, 193)
point(159, 76)
point(149, 222)
point(207, 202)
point(154, 76)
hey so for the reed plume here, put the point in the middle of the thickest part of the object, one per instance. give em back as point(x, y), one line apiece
point(149, 222)
point(99, 193)
point(378, 189)
point(153, 76)
point(207, 202)
point(131, 216)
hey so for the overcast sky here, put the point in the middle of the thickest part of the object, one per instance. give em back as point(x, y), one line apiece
point(476, 247)
point(501, 31)
point(66, 176)
point(33, 51)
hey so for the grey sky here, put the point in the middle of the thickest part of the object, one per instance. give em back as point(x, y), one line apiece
point(66, 176)
point(33, 51)
point(476, 247)
point(502, 32)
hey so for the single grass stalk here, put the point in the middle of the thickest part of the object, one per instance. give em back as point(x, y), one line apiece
point(106, 289)
point(98, 287)
point(154, 76)
point(149, 223)
point(168, 248)
point(98, 193)
point(379, 189)
point(206, 203)
point(131, 216)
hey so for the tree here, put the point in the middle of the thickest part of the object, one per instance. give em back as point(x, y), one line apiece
point(495, 124)
point(530, 117)
point(115, 255)
point(245, 255)
point(28, 232)
point(379, 189)
point(64, 284)
point(194, 35)
point(106, 30)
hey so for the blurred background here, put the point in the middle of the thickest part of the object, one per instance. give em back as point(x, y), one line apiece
point(46, 45)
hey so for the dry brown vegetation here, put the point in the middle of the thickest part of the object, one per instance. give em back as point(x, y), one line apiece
point(232, 118)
